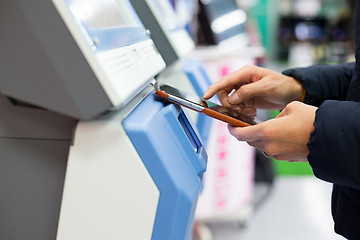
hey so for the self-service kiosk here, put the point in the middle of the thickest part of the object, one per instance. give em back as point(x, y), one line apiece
point(86, 149)
point(175, 44)
point(228, 182)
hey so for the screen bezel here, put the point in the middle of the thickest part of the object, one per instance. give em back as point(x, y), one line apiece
point(166, 13)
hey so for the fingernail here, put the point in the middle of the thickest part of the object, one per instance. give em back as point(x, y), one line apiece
point(234, 98)
point(252, 115)
point(205, 95)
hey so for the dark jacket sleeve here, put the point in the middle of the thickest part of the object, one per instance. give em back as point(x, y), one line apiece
point(334, 145)
point(323, 82)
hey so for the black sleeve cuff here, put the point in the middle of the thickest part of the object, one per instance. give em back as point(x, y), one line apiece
point(334, 144)
point(323, 82)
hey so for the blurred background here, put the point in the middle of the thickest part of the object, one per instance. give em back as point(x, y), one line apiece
point(127, 163)
point(279, 200)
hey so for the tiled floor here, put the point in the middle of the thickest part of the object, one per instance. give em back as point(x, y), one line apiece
point(298, 208)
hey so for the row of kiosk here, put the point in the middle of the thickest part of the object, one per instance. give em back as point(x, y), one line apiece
point(87, 151)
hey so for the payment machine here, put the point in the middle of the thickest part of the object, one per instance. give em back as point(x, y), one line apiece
point(175, 44)
point(228, 182)
point(87, 151)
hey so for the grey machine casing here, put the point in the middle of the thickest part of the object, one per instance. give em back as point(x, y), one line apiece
point(42, 96)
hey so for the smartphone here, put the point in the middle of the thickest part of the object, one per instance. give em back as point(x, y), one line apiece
point(208, 108)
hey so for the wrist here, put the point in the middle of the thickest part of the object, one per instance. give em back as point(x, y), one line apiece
point(299, 93)
point(303, 95)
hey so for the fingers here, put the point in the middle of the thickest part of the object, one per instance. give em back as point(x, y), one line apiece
point(223, 97)
point(292, 107)
point(285, 137)
point(268, 147)
point(249, 111)
point(280, 152)
point(289, 157)
point(247, 92)
point(277, 151)
point(245, 108)
point(237, 78)
point(248, 134)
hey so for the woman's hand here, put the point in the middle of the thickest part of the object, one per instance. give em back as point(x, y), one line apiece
point(254, 87)
point(284, 137)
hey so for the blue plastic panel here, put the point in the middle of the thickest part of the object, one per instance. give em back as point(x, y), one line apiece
point(173, 160)
point(199, 79)
point(197, 75)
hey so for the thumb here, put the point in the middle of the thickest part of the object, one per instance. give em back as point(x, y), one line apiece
point(250, 133)
point(290, 108)
point(246, 92)
point(283, 113)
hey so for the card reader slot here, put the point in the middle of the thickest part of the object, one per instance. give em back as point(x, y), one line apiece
point(189, 131)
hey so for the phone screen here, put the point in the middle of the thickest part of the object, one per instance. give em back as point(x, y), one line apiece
point(207, 104)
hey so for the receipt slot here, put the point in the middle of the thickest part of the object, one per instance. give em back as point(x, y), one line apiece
point(86, 149)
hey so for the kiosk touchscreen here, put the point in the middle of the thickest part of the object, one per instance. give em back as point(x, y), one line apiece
point(87, 150)
point(119, 43)
point(88, 54)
